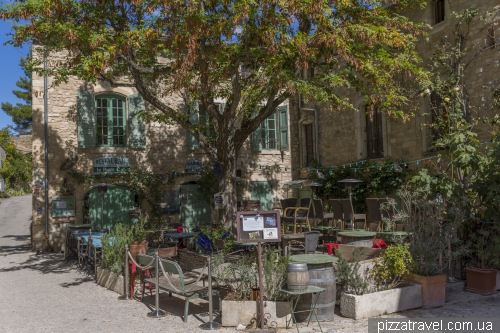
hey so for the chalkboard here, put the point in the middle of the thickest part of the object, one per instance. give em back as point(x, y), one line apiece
point(261, 226)
point(63, 206)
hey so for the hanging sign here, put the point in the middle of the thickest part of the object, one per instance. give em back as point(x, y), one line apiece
point(258, 226)
point(193, 166)
point(110, 165)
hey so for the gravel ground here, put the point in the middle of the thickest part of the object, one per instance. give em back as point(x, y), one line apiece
point(44, 293)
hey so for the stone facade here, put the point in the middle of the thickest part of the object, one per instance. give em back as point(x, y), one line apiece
point(166, 150)
point(342, 134)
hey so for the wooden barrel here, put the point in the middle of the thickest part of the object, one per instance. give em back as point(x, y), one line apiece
point(320, 275)
point(297, 276)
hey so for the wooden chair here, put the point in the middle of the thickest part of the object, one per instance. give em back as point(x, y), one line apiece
point(349, 213)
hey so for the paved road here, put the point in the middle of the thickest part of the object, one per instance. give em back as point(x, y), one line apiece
point(44, 293)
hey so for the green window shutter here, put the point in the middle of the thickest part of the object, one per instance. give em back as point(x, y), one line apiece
point(191, 141)
point(257, 137)
point(137, 134)
point(85, 106)
point(283, 114)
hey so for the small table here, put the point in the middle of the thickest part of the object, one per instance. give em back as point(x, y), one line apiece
point(358, 234)
point(179, 237)
point(295, 295)
point(314, 259)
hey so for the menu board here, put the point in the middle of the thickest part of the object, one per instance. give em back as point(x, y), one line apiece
point(258, 226)
point(63, 206)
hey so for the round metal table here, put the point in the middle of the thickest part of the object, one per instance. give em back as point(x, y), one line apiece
point(356, 235)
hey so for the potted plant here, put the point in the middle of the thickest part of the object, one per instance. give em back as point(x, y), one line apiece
point(138, 232)
point(483, 252)
point(362, 286)
point(432, 225)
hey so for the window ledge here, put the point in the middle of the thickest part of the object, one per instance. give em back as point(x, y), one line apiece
point(118, 150)
point(439, 27)
point(269, 152)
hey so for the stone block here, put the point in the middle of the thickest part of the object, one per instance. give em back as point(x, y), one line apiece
point(245, 313)
point(378, 303)
point(110, 280)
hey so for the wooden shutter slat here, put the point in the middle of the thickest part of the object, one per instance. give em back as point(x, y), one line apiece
point(85, 106)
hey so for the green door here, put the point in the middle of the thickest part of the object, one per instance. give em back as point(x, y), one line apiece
point(195, 208)
point(262, 191)
point(117, 201)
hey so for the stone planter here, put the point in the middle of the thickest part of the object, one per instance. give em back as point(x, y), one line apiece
point(375, 304)
point(110, 280)
point(481, 281)
point(433, 289)
point(245, 313)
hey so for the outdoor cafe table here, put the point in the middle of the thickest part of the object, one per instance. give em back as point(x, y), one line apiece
point(177, 237)
point(388, 236)
point(356, 235)
point(322, 275)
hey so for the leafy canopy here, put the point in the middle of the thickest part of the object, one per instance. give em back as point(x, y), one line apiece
point(249, 53)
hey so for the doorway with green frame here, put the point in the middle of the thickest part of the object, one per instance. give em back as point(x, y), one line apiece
point(262, 191)
point(195, 208)
point(117, 201)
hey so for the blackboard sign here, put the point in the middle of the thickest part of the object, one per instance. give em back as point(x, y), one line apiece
point(63, 206)
point(261, 226)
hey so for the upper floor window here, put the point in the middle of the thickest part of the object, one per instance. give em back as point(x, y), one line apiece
point(272, 133)
point(439, 13)
point(111, 124)
point(103, 120)
point(374, 133)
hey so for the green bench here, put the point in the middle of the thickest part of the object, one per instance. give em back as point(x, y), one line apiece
point(177, 283)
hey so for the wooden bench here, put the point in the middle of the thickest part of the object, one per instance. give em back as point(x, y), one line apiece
point(177, 282)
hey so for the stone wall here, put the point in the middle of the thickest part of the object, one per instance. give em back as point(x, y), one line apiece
point(166, 150)
point(342, 134)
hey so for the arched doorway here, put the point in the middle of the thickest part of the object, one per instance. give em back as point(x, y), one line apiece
point(195, 207)
point(118, 200)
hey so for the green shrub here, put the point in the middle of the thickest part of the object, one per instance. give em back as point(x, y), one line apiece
point(113, 247)
point(348, 277)
point(389, 268)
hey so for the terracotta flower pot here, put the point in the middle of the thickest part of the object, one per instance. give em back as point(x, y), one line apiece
point(433, 289)
point(136, 248)
point(481, 281)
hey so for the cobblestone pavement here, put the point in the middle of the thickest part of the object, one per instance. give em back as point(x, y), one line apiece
point(44, 293)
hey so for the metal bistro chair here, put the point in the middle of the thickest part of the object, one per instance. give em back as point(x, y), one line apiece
point(338, 213)
point(349, 213)
point(297, 215)
point(374, 216)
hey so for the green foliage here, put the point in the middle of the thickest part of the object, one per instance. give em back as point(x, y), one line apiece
point(215, 233)
point(138, 230)
point(389, 268)
point(274, 267)
point(113, 247)
point(208, 183)
point(239, 277)
point(349, 279)
point(16, 167)
point(382, 179)
point(483, 244)
point(22, 114)
point(242, 52)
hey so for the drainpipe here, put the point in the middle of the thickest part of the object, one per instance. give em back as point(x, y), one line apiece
point(46, 148)
point(316, 114)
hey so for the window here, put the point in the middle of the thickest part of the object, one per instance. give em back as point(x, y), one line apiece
point(438, 11)
point(202, 118)
point(309, 144)
point(110, 117)
point(374, 134)
point(266, 137)
point(110, 120)
point(268, 133)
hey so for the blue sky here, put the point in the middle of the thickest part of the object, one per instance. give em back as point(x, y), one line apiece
point(10, 71)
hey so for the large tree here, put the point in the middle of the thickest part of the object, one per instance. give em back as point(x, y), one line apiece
point(249, 53)
point(21, 113)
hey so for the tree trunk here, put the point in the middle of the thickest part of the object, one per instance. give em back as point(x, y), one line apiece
point(227, 156)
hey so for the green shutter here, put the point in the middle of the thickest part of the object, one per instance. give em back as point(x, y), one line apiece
point(191, 141)
point(137, 136)
point(283, 114)
point(262, 191)
point(85, 106)
point(257, 137)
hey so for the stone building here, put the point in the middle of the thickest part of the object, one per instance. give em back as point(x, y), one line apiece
point(343, 137)
point(93, 130)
